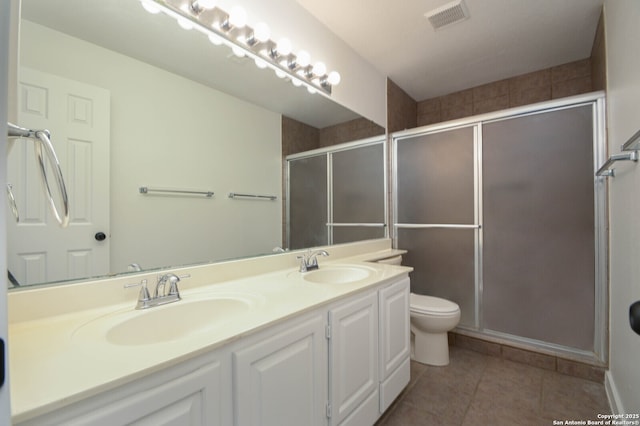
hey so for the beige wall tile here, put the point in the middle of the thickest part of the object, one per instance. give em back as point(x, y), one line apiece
point(491, 104)
point(598, 59)
point(531, 358)
point(570, 71)
point(571, 87)
point(581, 370)
point(401, 108)
point(492, 90)
point(530, 88)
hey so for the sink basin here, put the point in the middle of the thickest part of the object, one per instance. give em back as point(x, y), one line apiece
point(166, 323)
point(338, 274)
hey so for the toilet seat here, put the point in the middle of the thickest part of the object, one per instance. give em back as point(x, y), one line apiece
point(429, 305)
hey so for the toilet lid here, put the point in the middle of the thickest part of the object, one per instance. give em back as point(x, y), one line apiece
point(426, 304)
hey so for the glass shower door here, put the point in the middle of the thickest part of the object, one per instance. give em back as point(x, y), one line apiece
point(538, 240)
point(307, 202)
point(358, 194)
point(436, 217)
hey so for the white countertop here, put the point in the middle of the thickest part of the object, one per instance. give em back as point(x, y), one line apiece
point(60, 359)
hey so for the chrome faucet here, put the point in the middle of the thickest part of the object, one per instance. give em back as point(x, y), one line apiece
point(309, 260)
point(160, 296)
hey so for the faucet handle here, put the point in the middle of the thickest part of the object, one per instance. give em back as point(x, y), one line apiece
point(144, 291)
point(173, 284)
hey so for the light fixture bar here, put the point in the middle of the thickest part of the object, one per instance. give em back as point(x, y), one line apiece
point(244, 40)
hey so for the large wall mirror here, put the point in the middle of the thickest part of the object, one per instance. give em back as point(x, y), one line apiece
point(133, 100)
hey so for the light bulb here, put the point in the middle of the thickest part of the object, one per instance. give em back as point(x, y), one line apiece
point(319, 68)
point(333, 78)
point(238, 52)
point(261, 32)
point(281, 74)
point(150, 6)
point(303, 58)
point(206, 4)
point(238, 17)
point(185, 23)
point(215, 39)
point(261, 63)
point(311, 90)
point(284, 46)
point(296, 82)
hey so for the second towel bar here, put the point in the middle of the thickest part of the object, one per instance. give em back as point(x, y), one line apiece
point(254, 196)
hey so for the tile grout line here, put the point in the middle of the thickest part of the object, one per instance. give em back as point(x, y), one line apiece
point(475, 390)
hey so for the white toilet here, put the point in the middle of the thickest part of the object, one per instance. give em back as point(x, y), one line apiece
point(431, 319)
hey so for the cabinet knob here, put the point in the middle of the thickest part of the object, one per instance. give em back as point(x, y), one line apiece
point(100, 236)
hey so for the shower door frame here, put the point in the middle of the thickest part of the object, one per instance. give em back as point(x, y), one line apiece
point(601, 231)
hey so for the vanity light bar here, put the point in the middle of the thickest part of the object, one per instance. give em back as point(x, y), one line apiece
point(232, 31)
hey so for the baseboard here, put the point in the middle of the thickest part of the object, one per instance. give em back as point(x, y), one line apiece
point(612, 394)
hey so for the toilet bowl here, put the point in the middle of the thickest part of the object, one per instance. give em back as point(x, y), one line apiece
point(431, 319)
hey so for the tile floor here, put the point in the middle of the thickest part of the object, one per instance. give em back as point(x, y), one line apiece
point(477, 389)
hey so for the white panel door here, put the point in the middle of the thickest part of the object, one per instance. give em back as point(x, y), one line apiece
point(78, 116)
point(353, 356)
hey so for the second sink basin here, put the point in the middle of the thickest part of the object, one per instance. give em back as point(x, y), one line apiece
point(338, 274)
point(166, 323)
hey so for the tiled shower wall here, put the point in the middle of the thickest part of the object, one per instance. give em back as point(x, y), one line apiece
point(557, 82)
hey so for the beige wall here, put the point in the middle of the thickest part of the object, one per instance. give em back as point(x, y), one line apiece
point(168, 131)
point(623, 109)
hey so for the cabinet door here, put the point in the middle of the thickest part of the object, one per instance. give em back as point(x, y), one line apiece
point(193, 399)
point(281, 379)
point(394, 327)
point(395, 343)
point(353, 355)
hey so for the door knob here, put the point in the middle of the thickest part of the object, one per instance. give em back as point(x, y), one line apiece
point(634, 316)
point(100, 236)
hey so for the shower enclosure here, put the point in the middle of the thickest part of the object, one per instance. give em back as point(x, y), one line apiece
point(502, 214)
point(337, 194)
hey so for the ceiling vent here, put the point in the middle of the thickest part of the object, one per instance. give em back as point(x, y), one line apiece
point(450, 13)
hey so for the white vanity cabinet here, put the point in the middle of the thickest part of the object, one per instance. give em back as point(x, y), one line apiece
point(195, 393)
point(280, 375)
point(340, 363)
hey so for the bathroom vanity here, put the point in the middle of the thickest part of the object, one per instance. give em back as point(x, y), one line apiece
point(253, 341)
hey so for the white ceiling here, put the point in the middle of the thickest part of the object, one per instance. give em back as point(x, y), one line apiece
point(501, 39)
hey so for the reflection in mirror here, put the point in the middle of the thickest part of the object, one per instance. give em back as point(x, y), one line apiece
point(132, 100)
point(337, 194)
